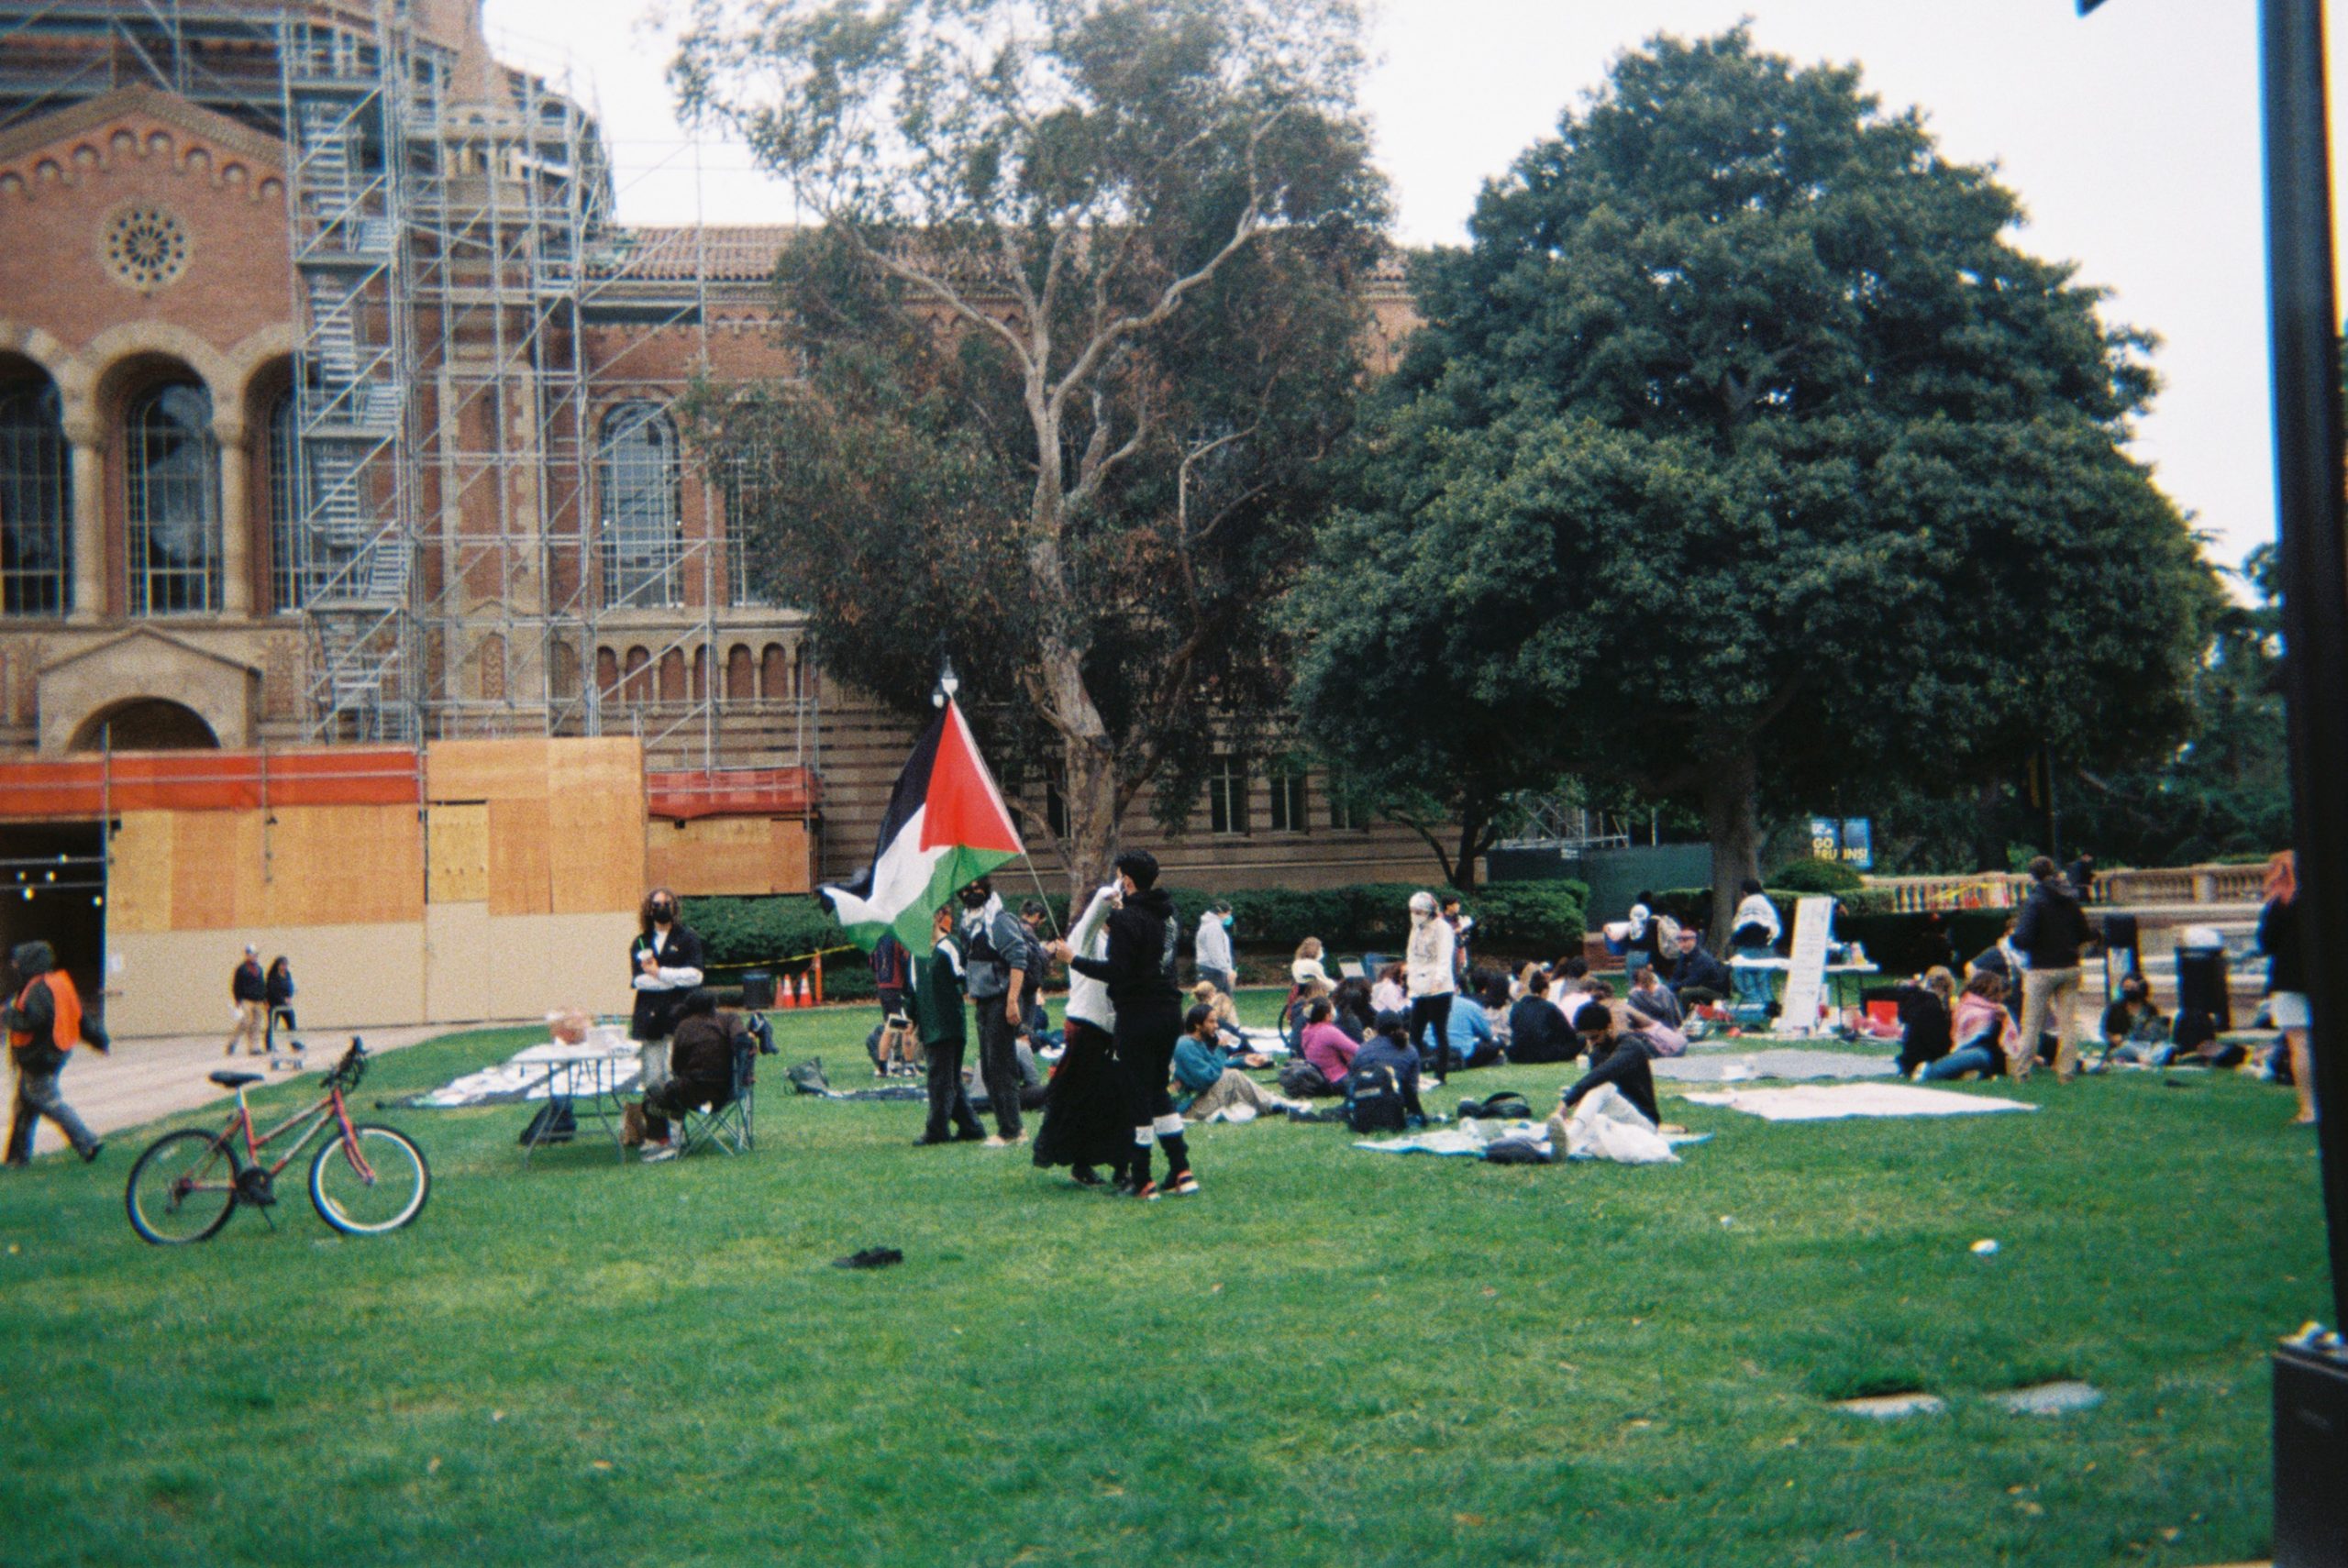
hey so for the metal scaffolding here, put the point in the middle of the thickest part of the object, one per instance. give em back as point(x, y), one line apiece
point(459, 276)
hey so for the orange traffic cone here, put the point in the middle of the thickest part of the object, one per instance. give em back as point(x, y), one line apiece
point(804, 1001)
point(784, 997)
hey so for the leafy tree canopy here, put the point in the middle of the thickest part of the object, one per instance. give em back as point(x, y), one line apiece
point(1743, 451)
point(1079, 324)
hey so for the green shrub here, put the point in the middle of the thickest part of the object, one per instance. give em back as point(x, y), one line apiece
point(753, 932)
point(1817, 877)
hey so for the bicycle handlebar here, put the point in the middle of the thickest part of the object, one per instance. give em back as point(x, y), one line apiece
point(351, 1069)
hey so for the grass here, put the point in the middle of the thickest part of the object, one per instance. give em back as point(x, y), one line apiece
point(1327, 1357)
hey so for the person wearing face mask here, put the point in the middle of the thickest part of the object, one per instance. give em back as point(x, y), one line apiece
point(664, 965)
point(996, 950)
point(1212, 947)
point(1429, 963)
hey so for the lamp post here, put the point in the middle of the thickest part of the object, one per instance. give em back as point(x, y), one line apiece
point(949, 683)
point(2303, 327)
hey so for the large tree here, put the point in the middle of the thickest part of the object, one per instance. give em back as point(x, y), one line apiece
point(1079, 319)
point(1744, 449)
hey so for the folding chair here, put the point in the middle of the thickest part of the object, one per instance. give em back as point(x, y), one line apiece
point(730, 1128)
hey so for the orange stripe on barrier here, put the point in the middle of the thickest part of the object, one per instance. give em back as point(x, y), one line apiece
point(730, 791)
point(210, 781)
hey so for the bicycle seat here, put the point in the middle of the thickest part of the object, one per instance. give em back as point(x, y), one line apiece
point(234, 1080)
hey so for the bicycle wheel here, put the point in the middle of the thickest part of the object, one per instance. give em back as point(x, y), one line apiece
point(361, 1206)
point(182, 1189)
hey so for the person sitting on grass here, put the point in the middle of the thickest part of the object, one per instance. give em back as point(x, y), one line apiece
point(1469, 1036)
point(1924, 1031)
point(700, 1072)
point(1649, 996)
point(1656, 1038)
point(1390, 993)
point(2134, 1029)
point(1353, 1011)
point(1537, 1030)
point(1324, 1046)
point(1568, 983)
point(1219, 1006)
point(1616, 1057)
point(1306, 967)
point(1382, 1090)
point(1207, 1082)
point(1984, 1031)
point(1696, 975)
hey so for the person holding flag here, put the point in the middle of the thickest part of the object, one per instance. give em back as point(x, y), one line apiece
point(945, 830)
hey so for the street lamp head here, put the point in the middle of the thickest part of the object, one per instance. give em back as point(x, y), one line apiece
point(949, 683)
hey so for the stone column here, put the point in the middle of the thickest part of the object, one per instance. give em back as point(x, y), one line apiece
point(89, 522)
point(235, 520)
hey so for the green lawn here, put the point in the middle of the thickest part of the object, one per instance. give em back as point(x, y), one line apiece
point(1327, 1357)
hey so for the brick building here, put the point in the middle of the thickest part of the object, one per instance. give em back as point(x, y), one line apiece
point(334, 408)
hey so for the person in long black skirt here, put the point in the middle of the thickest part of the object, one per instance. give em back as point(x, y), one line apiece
point(1087, 1121)
point(1139, 971)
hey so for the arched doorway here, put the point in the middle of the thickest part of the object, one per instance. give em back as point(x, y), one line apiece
point(145, 723)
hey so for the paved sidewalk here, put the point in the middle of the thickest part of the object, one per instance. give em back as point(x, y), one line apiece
point(161, 1075)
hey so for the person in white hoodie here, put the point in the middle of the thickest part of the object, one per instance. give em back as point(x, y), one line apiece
point(1211, 948)
point(1086, 1120)
point(1430, 980)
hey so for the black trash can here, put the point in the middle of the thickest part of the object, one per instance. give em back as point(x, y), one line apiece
point(2201, 984)
point(757, 990)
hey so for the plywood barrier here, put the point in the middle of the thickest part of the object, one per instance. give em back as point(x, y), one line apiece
point(496, 769)
point(519, 877)
point(595, 826)
point(343, 866)
point(729, 855)
point(456, 853)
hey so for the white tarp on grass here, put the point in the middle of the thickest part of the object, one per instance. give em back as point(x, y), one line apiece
point(536, 1071)
point(1833, 1102)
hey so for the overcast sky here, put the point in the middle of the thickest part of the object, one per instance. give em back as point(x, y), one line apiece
point(2131, 135)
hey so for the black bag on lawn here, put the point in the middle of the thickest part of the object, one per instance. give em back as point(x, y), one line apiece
point(807, 1077)
point(1377, 1104)
point(1303, 1080)
point(1506, 1106)
point(554, 1123)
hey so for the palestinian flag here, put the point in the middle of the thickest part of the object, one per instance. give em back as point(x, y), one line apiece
point(945, 824)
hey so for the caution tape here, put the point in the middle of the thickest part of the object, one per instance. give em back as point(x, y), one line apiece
point(793, 959)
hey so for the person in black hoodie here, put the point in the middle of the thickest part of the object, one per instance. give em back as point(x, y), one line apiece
point(1139, 972)
point(2052, 930)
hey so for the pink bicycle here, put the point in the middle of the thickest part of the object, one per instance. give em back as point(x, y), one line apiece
point(364, 1180)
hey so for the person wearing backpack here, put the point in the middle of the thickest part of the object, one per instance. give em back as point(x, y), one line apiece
point(937, 1010)
point(1383, 1088)
point(996, 955)
point(45, 1023)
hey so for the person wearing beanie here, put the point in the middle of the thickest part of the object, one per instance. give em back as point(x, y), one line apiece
point(1139, 972)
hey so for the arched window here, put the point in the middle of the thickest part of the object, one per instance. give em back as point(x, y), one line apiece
point(672, 676)
point(639, 688)
point(291, 567)
point(642, 525)
point(741, 675)
point(36, 540)
point(172, 477)
point(774, 674)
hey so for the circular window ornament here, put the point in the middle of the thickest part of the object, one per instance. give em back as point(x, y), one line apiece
point(145, 248)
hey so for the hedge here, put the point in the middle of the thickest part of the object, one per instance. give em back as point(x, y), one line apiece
point(1524, 919)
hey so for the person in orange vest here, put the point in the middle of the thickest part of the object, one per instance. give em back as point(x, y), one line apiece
point(44, 1021)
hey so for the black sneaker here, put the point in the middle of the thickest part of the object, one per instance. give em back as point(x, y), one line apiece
point(979, 1137)
point(1085, 1175)
point(927, 1142)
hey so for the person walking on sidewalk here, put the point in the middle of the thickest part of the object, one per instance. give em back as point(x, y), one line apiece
point(2052, 930)
point(249, 990)
point(44, 1021)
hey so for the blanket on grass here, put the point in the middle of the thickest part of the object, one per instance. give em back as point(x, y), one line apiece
point(1787, 1065)
point(539, 1072)
point(1835, 1102)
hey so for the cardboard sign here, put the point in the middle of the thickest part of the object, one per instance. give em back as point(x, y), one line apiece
point(1805, 965)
